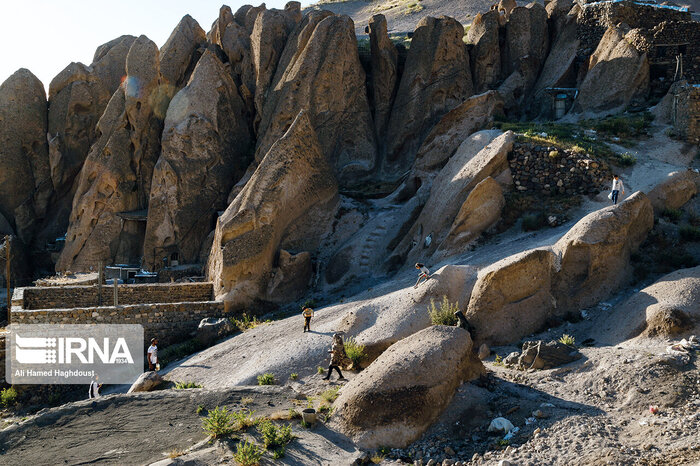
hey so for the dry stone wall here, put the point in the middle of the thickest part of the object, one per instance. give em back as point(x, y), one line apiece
point(540, 169)
point(86, 296)
point(169, 322)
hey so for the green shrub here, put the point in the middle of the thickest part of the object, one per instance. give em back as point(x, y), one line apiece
point(330, 395)
point(277, 454)
point(498, 361)
point(672, 214)
point(625, 160)
point(689, 233)
point(246, 322)
point(267, 378)
point(293, 376)
point(8, 397)
point(320, 370)
point(247, 454)
point(294, 414)
point(445, 314)
point(354, 351)
point(273, 436)
point(200, 409)
point(567, 340)
point(243, 419)
point(219, 423)
point(186, 385)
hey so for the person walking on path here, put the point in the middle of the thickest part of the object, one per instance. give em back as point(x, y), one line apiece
point(338, 357)
point(308, 313)
point(617, 186)
point(152, 355)
point(424, 273)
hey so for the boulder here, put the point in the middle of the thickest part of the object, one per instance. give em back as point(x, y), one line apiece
point(668, 308)
point(246, 16)
point(117, 173)
point(481, 155)
point(618, 75)
point(507, 7)
point(674, 191)
point(415, 377)
point(476, 113)
point(320, 71)
point(546, 355)
point(211, 329)
point(270, 33)
point(486, 55)
point(512, 297)
point(526, 36)
point(205, 150)
point(178, 55)
point(481, 210)
point(385, 73)
point(594, 254)
point(290, 278)
point(293, 177)
point(25, 175)
point(435, 80)
point(380, 322)
point(146, 382)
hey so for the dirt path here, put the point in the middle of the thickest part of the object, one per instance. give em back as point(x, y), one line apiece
point(144, 428)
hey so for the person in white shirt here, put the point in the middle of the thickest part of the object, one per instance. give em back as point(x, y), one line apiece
point(94, 390)
point(152, 355)
point(617, 186)
point(424, 273)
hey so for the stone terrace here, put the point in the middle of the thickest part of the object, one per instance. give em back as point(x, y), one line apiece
point(169, 312)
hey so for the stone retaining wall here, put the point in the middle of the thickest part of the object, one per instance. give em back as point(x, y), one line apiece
point(540, 169)
point(686, 112)
point(86, 296)
point(169, 322)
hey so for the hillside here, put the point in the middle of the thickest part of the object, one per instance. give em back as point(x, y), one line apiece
point(493, 233)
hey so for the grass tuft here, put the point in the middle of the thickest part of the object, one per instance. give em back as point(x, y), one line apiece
point(186, 385)
point(567, 340)
point(354, 351)
point(267, 378)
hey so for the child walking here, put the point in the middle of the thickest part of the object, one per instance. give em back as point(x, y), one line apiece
point(424, 273)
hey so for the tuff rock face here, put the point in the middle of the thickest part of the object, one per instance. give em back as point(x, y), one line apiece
point(25, 175)
point(177, 55)
point(205, 150)
point(384, 73)
point(320, 71)
point(526, 36)
point(486, 56)
point(436, 79)
point(292, 178)
point(481, 155)
point(267, 41)
point(117, 173)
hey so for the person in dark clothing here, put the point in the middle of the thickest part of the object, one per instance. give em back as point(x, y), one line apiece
point(338, 357)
